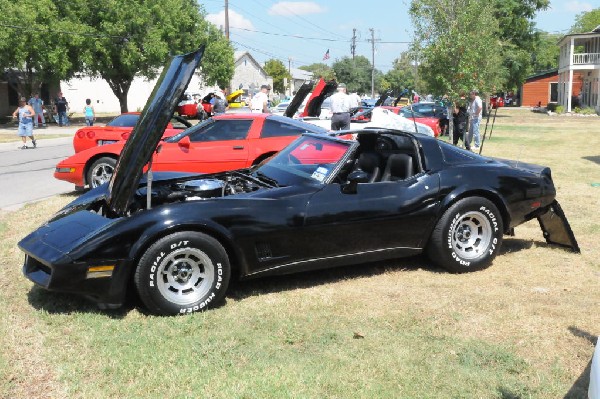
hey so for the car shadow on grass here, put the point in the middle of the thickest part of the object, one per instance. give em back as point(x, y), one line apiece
point(580, 387)
point(239, 290)
point(62, 303)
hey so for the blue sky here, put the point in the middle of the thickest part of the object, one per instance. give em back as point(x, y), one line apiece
point(305, 30)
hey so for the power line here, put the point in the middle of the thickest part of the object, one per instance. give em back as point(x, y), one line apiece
point(307, 21)
point(294, 36)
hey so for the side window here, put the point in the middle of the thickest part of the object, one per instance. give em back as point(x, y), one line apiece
point(273, 128)
point(223, 130)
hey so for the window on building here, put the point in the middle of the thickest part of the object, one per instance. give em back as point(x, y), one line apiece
point(554, 92)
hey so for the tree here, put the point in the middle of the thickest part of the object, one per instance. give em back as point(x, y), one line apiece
point(136, 37)
point(457, 46)
point(355, 73)
point(586, 21)
point(401, 76)
point(320, 70)
point(518, 37)
point(38, 43)
point(278, 72)
point(546, 53)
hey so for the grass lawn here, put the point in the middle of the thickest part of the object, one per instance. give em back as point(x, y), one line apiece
point(524, 328)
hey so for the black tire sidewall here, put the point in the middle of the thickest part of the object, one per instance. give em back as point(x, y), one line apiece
point(146, 274)
point(440, 249)
point(103, 160)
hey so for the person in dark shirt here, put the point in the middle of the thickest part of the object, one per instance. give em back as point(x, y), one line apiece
point(60, 107)
point(459, 119)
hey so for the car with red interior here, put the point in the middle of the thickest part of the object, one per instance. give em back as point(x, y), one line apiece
point(119, 129)
point(432, 122)
point(223, 142)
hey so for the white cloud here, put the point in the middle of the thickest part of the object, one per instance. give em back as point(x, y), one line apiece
point(286, 8)
point(235, 20)
point(578, 6)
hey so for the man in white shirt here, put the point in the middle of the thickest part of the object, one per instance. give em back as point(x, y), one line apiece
point(260, 101)
point(475, 108)
point(340, 107)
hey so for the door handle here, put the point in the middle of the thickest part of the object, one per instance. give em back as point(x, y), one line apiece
point(238, 147)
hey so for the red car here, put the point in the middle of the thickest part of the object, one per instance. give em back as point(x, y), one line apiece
point(119, 129)
point(496, 101)
point(432, 122)
point(224, 142)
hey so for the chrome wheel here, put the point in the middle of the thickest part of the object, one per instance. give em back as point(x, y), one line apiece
point(185, 276)
point(471, 235)
point(101, 173)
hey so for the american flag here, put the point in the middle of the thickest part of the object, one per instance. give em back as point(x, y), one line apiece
point(326, 56)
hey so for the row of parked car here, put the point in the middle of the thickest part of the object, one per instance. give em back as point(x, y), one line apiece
point(222, 142)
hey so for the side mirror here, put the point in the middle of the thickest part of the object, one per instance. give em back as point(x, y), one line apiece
point(354, 178)
point(185, 142)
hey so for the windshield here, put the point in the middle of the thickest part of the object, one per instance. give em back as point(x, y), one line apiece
point(125, 120)
point(408, 113)
point(179, 136)
point(308, 159)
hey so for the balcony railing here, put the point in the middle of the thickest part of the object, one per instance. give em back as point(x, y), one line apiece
point(586, 59)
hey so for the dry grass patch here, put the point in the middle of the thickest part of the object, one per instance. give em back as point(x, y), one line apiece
point(522, 328)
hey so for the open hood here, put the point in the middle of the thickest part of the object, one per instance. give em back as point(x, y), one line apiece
point(149, 129)
point(382, 98)
point(298, 99)
point(320, 93)
point(233, 96)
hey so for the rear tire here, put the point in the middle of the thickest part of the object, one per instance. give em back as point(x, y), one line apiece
point(467, 237)
point(101, 171)
point(184, 272)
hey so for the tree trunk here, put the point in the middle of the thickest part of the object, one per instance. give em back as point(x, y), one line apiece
point(120, 89)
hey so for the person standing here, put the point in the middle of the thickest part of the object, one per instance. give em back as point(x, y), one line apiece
point(219, 102)
point(475, 108)
point(60, 107)
point(459, 120)
point(38, 106)
point(260, 101)
point(340, 107)
point(25, 112)
point(89, 113)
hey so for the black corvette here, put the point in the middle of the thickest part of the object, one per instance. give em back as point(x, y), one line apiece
point(324, 201)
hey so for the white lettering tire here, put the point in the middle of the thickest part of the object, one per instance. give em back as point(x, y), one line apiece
point(467, 237)
point(181, 273)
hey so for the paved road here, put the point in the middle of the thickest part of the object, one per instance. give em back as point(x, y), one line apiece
point(27, 175)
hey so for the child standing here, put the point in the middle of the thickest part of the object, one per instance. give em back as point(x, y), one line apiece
point(90, 115)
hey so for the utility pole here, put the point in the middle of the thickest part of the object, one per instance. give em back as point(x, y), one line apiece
point(290, 73)
point(227, 19)
point(373, 62)
point(353, 45)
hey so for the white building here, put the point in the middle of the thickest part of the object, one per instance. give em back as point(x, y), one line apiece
point(580, 52)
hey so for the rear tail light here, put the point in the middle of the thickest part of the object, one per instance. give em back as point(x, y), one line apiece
point(90, 134)
point(80, 134)
point(125, 135)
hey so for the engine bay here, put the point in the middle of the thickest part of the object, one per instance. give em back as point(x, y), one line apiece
point(196, 189)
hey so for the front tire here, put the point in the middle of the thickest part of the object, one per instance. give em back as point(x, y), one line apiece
point(101, 171)
point(184, 272)
point(467, 237)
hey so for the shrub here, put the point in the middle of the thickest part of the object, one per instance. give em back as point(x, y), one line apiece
point(551, 107)
point(585, 111)
point(560, 109)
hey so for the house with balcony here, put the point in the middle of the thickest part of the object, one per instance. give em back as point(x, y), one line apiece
point(579, 63)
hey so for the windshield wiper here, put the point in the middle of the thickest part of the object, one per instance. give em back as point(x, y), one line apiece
point(266, 178)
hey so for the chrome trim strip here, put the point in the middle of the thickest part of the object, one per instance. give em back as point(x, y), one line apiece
point(331, 257)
